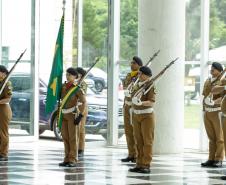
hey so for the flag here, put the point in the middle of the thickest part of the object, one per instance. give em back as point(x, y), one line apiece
point(55, 80)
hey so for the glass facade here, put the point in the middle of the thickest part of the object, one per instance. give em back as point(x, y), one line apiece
point(16, 34)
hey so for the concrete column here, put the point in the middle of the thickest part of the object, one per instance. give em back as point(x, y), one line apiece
point(113, 71)
point(0, 31)
point(162, 26)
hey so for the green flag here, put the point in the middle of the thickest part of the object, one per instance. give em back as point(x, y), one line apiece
point(55, 80)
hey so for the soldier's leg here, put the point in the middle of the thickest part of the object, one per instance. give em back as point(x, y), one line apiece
point(219, 141)
point(223, 123)
point(81, 146)
point(138, 140)
point(147, 127)
point(211, 135)
point(128, 127)
point(5, 116)
point(65, 136)
point(4, 139)
point(73, 138)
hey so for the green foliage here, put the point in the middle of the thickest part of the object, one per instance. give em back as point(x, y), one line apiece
point(128, 28)
point(95, 30)
point(217, 26)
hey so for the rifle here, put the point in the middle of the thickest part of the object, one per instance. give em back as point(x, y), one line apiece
point(132, 84)
point(146, 88)
point(87, 72)
point(6, 79)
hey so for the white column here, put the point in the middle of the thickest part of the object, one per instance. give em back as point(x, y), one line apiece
point(113, 71)
point(0, 31)
point(205, 14)
point(162, 26)
point(34, 129)
point(80, 20)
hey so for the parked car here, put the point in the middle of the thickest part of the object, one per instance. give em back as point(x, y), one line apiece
point(99, 77)
point(20, 104)
point(97, 116)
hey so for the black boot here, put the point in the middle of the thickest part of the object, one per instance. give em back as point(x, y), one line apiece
point(63, 164)
point(80, 153)
point(71, 164)
point(136, 169)
point(144, 170)
point(208, 163)
point(217, 164)
point(3, 158)
point(223, 178)
point(128, 159)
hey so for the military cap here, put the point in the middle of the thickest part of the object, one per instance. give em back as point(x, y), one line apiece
point(72, 71)
point(3, 69)
point(217, 66)
point(145, 70)
point(137, 60)
point(81, 71)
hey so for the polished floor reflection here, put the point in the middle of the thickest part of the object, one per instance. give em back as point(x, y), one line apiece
point(37, 163)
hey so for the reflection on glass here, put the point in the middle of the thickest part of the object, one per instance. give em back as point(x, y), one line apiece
point(192, 96)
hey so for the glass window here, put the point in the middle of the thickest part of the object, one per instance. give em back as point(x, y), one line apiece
point(16, 36)
point(217, 43)
point(192, 44)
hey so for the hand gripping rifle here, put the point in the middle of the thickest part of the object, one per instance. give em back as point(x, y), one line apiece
point(6, 79)
point(146, 88)
point(132, 84)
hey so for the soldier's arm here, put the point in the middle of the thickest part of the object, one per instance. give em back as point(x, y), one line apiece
point(7, 94)
point(151, 98)
point(82, 99)
point(217, 89)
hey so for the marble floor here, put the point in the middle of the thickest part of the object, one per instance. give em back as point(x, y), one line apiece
point(37, 163)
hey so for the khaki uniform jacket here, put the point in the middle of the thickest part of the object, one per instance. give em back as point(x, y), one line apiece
point(73, 101)
point(150, 96)
point(207, 89)
point(127, 82)
point(7, 92)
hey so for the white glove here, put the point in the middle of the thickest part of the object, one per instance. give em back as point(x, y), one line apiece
point(136, 101)
point(208, 101)
point(126, 93)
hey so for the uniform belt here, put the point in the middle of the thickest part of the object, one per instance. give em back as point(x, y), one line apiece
point(128, 102)
point(207, 109)
point(143, 111)
point(66, 111)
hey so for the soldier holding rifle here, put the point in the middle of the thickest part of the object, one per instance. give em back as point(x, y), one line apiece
point(131, 77)
point(5, 114)
point(71, 117)
point(81, 146)
point(211, 108)
point(143, 101)
point(5, 110)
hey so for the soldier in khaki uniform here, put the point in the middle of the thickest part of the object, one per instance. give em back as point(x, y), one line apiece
point(71, 119)
point(211, 108)
point(216, 90)
point(81, 146)
point(131, 77)
point(143, 120)
point(5, 115)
